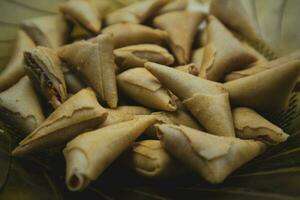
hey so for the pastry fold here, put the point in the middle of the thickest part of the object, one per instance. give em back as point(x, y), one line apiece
point(124, 113)
point(94, 62)
point(50, 31)
point(149, 159)
point(138, 55)
point(238, 15)
point(177, 5)
point(180, 117)
point(140, 85)
point(20, 107)
point(267, 91)
point(82, 13)
point(137, 12)
point(182, 27)
point(44, 68)
point(89, 154)
point(126, 34)
point(251, 125)
point(208, 101)
point(14, 70)
point(212, 157)
point(189, 68)
point(79, 113)
point(223, 53)
point(262, 66)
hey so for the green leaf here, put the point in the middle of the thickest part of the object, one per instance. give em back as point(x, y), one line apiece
point(22, 179)
point(5, 149)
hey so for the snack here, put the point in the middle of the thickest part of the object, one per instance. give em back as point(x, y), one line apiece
point(126, 34)
point(79, 113)
point(208, 101)
point(250, 125)
point(140, 85)
point(44, 68)
point(148, 158)
point(94, 62)
point(137, 12)
point(83, 162)
point(138, 55)
point(212, 157)
point(181, 27)
point(20, 106)
point(82, 13)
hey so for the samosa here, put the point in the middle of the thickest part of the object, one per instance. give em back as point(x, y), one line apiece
point(20, 107)
point(189, 68)
point(137, 55)
point(267, 91)
point(137, 12)
point(126, 34)
point(149, 159)
point(238, 15)
point(82, 13)
point(94, 62)
point(123, 113)
point(223, 53)
point(179, 117)
point(141, 86)
point(182, 27)
point(79, 113)
point(212, 157)
point(84, 163)
point(251, 125)
point(208, 101)
point(44, 68)
point(262, 66)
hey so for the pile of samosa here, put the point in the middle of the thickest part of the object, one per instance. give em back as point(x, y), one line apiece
point(177, 76)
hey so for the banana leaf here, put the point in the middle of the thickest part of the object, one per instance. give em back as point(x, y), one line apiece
point(275, 175)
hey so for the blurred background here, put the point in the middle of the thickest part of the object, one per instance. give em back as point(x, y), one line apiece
point(278, 20)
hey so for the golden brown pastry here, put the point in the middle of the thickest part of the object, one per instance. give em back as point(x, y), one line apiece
point(181, 27)
point(94, 62)
point(84, 163)
point(138, 55)
point(180, 117)
point(212, 157)
point(141, 86)
point(198, 58)
point(189, 68)
point(267, 91)
point(44, 68)
point(82, 13)
point(124, 113)
point(50, 31)
point(79, 113)
point(126, 34)
point(208, 101)
point(251, 125)
point(262, 66)
point(149, 159)
point(20, 107)
point(177, 5)
point(238, 15)
point(137, 12)
point(223, 53)
point(14, 70)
